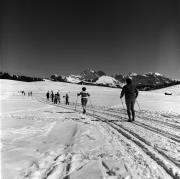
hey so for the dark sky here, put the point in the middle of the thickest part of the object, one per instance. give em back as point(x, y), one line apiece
point(40, 38)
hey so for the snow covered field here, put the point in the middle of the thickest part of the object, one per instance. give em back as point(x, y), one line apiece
point(43, 140)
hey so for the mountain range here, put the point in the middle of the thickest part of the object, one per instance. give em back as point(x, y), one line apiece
point(146, 81)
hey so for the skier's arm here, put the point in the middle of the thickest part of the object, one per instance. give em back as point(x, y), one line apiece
point(122, 93)
point(137, 92)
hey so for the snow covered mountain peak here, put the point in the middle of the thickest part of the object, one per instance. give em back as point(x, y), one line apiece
point(73, 78)
point(109, 81)
point(154, 73)
point(132, 74)
point(89, 75)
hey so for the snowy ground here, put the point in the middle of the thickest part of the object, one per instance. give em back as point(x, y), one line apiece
point(43, 140)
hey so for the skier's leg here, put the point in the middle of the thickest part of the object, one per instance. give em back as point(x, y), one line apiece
point(132, 110)
point(86, 100)
point(128, 105)
point(84, 109)
point(84, 105)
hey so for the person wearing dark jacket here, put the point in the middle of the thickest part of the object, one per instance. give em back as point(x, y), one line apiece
point(47, 95)
point(131, 93)
point(52, 96)
point(84, 98)
point(67, 99)
point(58, 97)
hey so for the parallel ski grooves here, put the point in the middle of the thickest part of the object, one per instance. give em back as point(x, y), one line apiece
point(139, 141)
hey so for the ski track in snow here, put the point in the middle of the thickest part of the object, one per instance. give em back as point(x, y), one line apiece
point(158, 146)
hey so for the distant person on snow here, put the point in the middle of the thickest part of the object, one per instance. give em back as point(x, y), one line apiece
point(52, 96)
point(55, 98)
point(30, 93)
point(67, 99)
point(84, 98)
point(131, 93)
point(58, 97)
point(47, 95)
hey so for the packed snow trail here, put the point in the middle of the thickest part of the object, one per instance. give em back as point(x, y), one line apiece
point(158, 155)
point(99, 144)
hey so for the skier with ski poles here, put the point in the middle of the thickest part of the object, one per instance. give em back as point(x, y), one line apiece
point(84, 98)
point(67, 99)
point(131, 93)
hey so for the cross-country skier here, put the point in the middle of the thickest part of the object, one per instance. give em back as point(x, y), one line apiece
point(67, 99)
point(131, 93)
point(55, 98)
point(58, 97)
point(47, 95)
point(23, 92)
point(52, 96)
point(84, 98)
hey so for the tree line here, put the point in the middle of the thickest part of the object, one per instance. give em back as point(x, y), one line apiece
point(6, 75)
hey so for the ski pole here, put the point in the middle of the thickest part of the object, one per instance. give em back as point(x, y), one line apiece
point(76, 103)
point(122, 104)
point(91, 105)
point(123, 108)
point(138, 105)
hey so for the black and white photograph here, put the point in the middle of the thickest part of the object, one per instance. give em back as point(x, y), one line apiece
point(90, 89)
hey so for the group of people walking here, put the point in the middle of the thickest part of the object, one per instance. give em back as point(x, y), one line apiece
point(55, 97)
point(23, 93)
point(30, 93)
point(129, 91)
